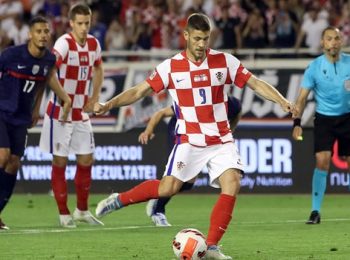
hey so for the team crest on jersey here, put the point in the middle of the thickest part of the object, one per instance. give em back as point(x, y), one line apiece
point(46, 69)
point(202, 77)
point(219, 75)
point(180, 165)
point(35, 69)
point(153, 74)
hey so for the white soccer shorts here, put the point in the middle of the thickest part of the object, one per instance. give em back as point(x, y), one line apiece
point(186, 161)
point(68, 138)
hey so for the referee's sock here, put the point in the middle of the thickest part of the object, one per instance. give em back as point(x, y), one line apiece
point(319, 183)
point(7, 184)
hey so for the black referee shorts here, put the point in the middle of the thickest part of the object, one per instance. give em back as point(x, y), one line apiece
point(328, 129)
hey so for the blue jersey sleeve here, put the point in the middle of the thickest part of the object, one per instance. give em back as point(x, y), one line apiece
point(308, 81)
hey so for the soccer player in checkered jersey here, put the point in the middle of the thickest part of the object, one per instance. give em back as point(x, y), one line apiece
point(155, 208)
point(24, 71)
point(197, 80)
point(78, 59)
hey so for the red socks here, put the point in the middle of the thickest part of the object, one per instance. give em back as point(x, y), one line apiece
point(82, 182)
point(220, 218)
point(59, 188)
point(144, 191)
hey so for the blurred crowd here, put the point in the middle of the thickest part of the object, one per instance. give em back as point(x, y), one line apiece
point(158, 24)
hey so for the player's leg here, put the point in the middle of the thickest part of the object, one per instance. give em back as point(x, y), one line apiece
point(181, 167)
point(55, 139)
point(82, 181)
point(319, 184)
point(150, 189)
point(12, 145)
point(156, 207)
point(225, 171)
point(323, 145)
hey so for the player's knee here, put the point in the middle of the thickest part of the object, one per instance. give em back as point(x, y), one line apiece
point(13, 164)
point(4, 157)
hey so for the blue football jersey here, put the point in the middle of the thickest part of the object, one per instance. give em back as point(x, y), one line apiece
point(21, 75)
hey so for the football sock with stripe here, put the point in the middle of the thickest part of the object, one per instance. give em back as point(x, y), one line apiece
point(144, 191)
point(82, 183)
point(220, 218)
point(59, 188)
point(319, 184)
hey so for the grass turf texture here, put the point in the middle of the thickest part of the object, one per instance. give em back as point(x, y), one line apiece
point(263, 227)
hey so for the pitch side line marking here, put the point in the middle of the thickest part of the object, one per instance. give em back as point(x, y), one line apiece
point(64, 230)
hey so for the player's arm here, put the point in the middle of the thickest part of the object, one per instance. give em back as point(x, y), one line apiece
point(96, 90)
point(125, 98)
point(268, 92)
point(148, 134)
point(56, 87)
point(300, 105)
point(36, 107)
point(234, 122)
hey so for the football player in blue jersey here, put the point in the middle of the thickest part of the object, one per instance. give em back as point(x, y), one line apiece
point(156, 207)
point(328, 76)
point(25, 70)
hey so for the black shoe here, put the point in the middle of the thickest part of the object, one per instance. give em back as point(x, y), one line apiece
point(315, 218)
point(3, 226)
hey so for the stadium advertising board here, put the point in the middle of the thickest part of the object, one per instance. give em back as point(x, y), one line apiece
point(274, 163)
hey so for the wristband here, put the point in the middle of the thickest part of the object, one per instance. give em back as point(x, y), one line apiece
point(296, 122)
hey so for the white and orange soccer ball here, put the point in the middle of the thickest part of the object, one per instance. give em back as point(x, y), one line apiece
point(190, 244)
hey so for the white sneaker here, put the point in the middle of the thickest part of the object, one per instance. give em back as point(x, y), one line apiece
point(215, 253)
point(151, 204)
point(159, 219)
point(66, 221)
point(108, 205)
point(86, 216)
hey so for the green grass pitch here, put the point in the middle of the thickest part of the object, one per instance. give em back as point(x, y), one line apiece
point(263, 227)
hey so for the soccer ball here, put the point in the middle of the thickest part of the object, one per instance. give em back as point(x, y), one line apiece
point(190, 244)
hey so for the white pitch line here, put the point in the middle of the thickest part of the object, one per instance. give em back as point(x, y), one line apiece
point(64, 230)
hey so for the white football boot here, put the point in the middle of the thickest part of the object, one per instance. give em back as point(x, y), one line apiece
point(66, 221)
point(159, 219)
point(108, 205)
point(86, 217)
point(214, 253)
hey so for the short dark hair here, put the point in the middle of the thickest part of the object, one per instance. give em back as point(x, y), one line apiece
point(198, 21)
point(332, 28)
point(37, 19)
point(79, 8)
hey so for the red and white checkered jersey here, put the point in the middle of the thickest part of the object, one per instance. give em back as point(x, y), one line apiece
point(74, 63)
point(199, 94)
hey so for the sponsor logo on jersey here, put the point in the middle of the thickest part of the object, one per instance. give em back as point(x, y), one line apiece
point(202, 77)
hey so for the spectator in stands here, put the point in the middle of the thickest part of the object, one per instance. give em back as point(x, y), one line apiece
point(19, 32)
point(285, 26)
point(8, 11)
point(253, 32)
point(311, 30)
point(115, 37)
point(98, 29)
point(60, 24)
point(229, 29)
